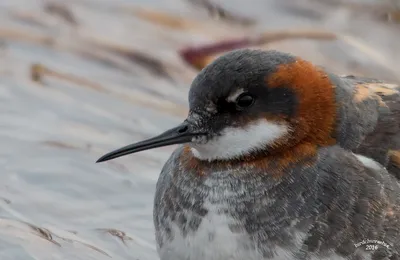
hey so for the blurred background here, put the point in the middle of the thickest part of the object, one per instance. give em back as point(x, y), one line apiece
point(79, 78)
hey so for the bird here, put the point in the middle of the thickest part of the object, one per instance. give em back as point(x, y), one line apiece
point(279, 159)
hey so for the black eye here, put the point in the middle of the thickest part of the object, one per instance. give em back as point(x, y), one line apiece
point(244, 100)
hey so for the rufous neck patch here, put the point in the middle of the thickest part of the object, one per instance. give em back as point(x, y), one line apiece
point(315, 117)
point(272, 164)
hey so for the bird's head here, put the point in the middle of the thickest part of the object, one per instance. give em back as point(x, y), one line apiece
point(251, 102)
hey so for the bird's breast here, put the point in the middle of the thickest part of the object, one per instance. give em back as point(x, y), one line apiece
point(221, 236)
point(220, 218)
point(240, 212)
point(214, 239)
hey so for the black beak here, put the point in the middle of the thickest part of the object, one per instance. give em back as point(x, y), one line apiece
point(177, 135)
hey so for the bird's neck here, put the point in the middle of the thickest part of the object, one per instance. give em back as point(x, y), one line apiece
point(276, 163)
point(315, 117)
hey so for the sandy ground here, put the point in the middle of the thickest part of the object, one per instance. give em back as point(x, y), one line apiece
point(80, 79)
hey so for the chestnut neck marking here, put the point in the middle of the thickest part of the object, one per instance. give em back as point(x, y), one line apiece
point(315, 117)
point(272, 164)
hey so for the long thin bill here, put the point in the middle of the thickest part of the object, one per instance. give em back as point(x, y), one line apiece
point(177, 135)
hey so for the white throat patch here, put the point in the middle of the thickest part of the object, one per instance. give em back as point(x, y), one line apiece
point(235, 142)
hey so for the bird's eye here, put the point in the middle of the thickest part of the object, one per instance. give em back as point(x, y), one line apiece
point(244, 100)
